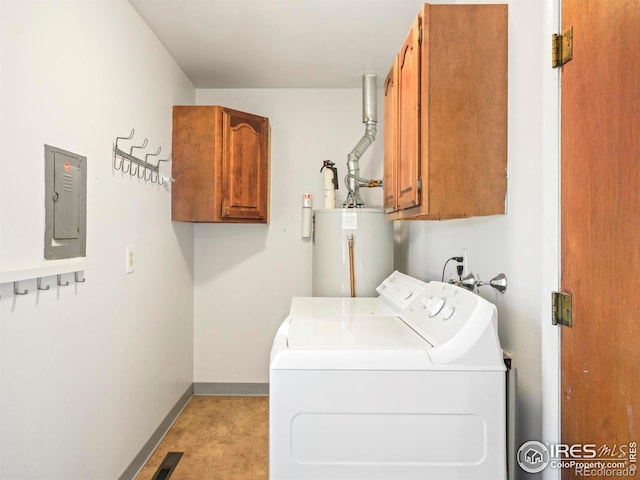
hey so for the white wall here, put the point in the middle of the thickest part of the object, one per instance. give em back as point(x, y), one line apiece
point(245, 275)
point(88, 371)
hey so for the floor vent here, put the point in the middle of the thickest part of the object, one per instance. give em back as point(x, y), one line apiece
point(167, 466)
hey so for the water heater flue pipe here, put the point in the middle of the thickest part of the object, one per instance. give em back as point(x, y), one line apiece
point(352, 180)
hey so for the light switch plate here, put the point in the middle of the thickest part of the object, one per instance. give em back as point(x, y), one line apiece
point(131, 259)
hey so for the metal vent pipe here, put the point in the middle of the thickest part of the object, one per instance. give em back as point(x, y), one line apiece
point(370, 119)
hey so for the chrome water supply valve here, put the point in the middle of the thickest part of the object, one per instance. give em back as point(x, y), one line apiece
point(472, 282)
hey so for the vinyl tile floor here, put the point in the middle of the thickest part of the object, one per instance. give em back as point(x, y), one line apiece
point(223, 438)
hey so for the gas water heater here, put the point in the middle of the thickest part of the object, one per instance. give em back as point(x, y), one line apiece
point(352, 246)
point(352, 251)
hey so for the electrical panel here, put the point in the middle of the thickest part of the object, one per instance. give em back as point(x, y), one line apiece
point(65, 204)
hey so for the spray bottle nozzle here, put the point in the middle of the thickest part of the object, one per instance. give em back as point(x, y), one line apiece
point(331, 166)
point(326, 164)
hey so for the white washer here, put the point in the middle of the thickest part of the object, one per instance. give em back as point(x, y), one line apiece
point(406, 386)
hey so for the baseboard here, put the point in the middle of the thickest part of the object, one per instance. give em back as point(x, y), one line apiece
point(141, 458)
point(231, 389)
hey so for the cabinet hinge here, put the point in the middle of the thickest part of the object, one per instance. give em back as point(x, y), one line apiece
point(420, 35)
point(419, 184)
point(561, 310)
point(561, 48)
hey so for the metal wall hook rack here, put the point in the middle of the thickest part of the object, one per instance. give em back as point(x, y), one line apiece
point(134, 166)
point(41, 276)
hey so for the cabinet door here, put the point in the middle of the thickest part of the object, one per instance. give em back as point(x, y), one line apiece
point(245, 167)
point(391, 139)
point(409, 119)
point(193, 195)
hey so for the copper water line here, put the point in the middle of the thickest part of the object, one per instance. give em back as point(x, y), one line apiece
point(351, 273)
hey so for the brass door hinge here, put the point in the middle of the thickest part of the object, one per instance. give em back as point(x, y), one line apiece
point(561, 48)
point(420, 34)
point(561, 310)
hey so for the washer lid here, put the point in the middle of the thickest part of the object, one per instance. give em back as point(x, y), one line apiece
point(352, 331)
point(337, 306)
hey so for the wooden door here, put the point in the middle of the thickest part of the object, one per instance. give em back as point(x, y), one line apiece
point(600, 223)
point(245, 167)
point(409, 119)
point(391, 139)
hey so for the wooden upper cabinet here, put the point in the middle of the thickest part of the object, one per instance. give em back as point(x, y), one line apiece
point(449, 159)
point(220, 165)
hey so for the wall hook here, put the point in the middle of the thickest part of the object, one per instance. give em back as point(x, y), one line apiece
point(133, 131)
point(40, 287)
point(114, 160)
point(164, 179)
point(126, 170)
point(161, 179)
point(143, 145)
point(164, 159)
point(60, 281)
point(146, 161)
point(138, 163)
point(16, 289)
point(79, 278)
point(115, 149)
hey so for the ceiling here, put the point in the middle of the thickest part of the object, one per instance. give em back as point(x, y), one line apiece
point(280, 43)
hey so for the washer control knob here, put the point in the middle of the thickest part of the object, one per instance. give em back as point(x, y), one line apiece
point(447, 312)
point(434, 305)
point(425, 302)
